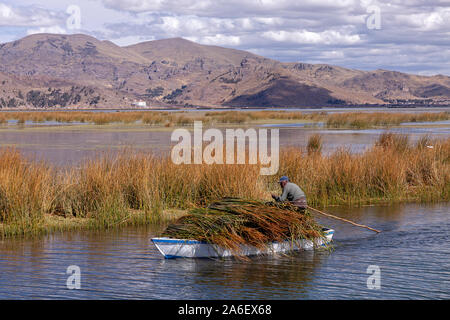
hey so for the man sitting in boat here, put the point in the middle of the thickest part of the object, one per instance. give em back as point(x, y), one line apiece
point(291, 193)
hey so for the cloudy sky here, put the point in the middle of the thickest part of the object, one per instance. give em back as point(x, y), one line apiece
point(410, 36)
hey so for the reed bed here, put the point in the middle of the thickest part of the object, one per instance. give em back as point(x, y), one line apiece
point(231, 223)
point(393, 170)
point(26, 191)
point(356, 120)
point(251, 116)
point(361, 120)
point(129, 187)
point(314, 144)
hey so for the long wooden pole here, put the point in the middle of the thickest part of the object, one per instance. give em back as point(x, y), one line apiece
point(342, 219)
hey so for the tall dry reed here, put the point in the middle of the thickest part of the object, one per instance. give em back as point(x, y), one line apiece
point(389, 171)
point(361, 120)
point(26, 191)
point(111, 189)
point(314, 144)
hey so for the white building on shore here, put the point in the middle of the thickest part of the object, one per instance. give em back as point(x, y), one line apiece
point(139, 104)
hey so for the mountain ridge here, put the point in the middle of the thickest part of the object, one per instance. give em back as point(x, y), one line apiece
point(52, 70)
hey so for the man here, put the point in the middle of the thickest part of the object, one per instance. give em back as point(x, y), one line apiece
point(291, 193)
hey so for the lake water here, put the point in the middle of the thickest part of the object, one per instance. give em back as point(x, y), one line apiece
point(412, 253)
point(71, 144)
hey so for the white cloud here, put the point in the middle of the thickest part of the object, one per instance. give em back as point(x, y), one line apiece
point(316, 31)
point(308, 37)
point(27, 16)
point(217, 40)
point(332, 55)
point(51, 29)
point(229, 8)
point(414, 34)
point(427, 21)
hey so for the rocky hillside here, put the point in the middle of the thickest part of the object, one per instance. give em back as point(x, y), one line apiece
point(47, 70)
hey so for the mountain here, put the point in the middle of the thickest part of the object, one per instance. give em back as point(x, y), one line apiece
point(50, 70)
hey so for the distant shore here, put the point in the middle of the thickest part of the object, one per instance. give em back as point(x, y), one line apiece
point(341, 119)
point(226, 108)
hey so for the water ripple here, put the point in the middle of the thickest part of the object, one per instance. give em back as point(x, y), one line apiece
point(412, 253)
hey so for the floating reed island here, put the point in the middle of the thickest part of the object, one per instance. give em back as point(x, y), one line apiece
point(355, 120)
point(135, 188)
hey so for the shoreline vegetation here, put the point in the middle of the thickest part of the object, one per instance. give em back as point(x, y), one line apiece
point(132, 188)
point(354, 120)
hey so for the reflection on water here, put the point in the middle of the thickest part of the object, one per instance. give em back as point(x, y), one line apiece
point(69, 146)
point(412, 252)
point(72, 145)
point(354, 140)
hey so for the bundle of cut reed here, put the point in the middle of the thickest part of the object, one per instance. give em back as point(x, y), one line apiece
point(231, 223)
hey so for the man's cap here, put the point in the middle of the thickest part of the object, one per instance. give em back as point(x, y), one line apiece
point(283, 178)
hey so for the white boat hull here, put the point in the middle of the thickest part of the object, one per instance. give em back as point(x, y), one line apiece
point(178, 248)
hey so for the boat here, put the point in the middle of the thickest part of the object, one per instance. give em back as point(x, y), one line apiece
point(182, 248)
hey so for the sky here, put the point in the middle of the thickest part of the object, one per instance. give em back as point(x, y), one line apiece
point(409, 36)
